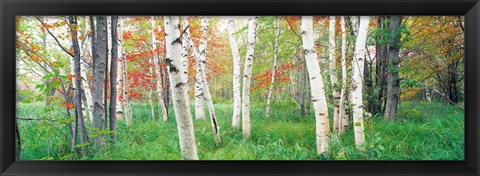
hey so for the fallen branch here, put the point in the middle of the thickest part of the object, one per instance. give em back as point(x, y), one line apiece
point(437, 92)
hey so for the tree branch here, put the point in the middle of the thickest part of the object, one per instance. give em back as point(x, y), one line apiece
point(58, 42)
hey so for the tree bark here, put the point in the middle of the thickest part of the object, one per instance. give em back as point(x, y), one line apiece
point(247, 75)
point(121, 60)
point(177, 77)
point(274, 68)
point(393, 86)
point(99, 80)
point(357, 83)
point(113, 82)
point(78, 83)
point(333, 74)
point(343, 122)
point(316, 84)
point(237, 99)
point(200, 60)
point(199, 91)
point(158, 73)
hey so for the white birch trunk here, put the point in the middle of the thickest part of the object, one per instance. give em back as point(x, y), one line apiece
point(333, 74)
point(316, 84)
point(128, 113)
point(85, 83)
point(199, 91)
point(177, 76)
point(247, 75)
point(237, 99)
point(158, 73)
point(274, 69)
point(121, 60)
point(357, 85)
point(200, 60)
point(343, 123)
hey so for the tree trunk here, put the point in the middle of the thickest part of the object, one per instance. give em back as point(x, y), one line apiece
point(452, 83)
point(200, 60)
point(158, 73)
point(333, 74)
point(109, 55)
point(247, 76)
point(121, 60)
point(237, 99)
point(316, 85)
point(274, 69)
point(381, 51)
point(199, 91)
point(113, 82)
point(393, 86)
point(357, 83)
point(177, 77)
point(343, 122)
point(78, 83)
point(99, 80)
point(86, 84)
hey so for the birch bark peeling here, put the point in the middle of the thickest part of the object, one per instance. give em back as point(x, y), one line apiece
point(178, 81)
point(357, 86)
point(316, 84)
point(158, 73)
point(274, 69)
point(247, 75)
point(333, 74)
point(237, 99)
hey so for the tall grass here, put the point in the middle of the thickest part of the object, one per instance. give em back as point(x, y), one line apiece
point(423, 132)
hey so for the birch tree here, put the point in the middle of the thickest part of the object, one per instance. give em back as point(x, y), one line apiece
point(199, 91)
point(316, 84)
point(274, 68)
point(99, 79)
point(86, 84)
point(333, 74)
point(393, 84)
point(176, 69)
point(121, 58)
point(357, 86)
point(157, 72)
point(237, 99)
point(247, 76)
point(343, 122)
point(200, 59)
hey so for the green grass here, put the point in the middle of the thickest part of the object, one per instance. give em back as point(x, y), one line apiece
point(423, 132)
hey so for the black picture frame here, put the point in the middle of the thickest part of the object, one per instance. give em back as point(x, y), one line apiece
point(10, 8)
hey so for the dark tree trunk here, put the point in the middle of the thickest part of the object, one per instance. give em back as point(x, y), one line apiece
point(381, 62)
point(393, 86)
point(19, 141)
point(452, 83)
point(99, 79)
point(78, 83)
point(113, 84)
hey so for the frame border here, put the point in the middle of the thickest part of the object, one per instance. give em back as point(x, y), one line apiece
point(11, 8)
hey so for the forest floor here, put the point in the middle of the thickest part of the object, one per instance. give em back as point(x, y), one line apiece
point(424, 131)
